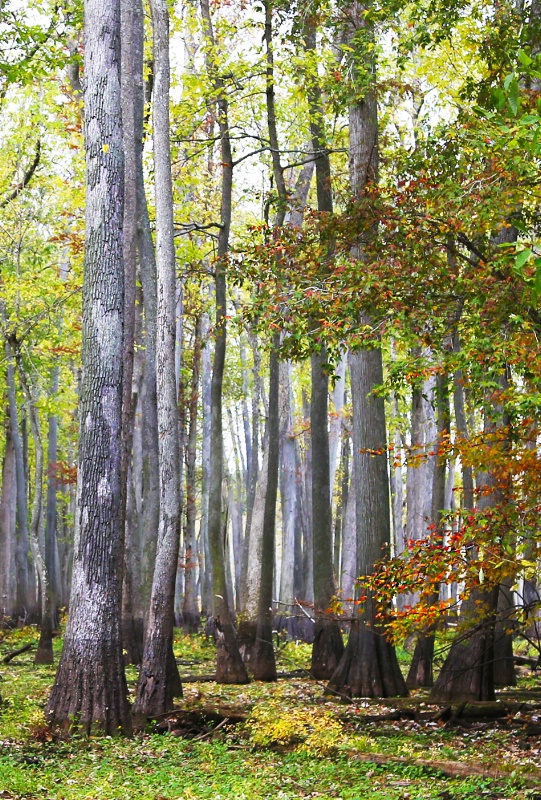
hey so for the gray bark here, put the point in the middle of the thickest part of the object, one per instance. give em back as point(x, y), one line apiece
point(90, 686)
point(159, 680)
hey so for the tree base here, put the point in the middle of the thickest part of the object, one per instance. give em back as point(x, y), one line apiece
point(230, 667)
point(369, 666)
point(90, 692)
point(421, 673)
point(246, 639)
point(159, 680)
point(327, 649)
point(133, 639)
point(44, 653)
point(263, 665)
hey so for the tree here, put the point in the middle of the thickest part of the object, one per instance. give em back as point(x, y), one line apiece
point(369, 666)
point(159, 680)
point(90, 686)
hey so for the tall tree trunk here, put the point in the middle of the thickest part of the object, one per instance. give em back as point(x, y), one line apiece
point(90, 687)
point(369, 666)
point(328, 646)
point(229, 665)
point(159, 680)
point(149, 401)
point(131, 628)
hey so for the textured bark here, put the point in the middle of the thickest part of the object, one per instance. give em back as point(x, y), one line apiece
point(229, 665)
point(159, 680)
point(90, 687)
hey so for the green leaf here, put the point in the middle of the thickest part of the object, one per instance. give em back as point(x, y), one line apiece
point(524, 58)
point(522, 258)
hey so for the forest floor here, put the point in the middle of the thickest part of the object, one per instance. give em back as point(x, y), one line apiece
point(284, 740)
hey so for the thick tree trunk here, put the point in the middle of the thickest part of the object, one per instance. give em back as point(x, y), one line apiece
point(288, 490)
point(159, 680)
point(90, 687)
point(369, 666)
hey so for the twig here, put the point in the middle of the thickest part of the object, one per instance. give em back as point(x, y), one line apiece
point(209, 733)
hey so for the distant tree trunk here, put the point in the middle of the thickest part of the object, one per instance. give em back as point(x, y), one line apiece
point(131, 628)
point(229, 664)
point(23, 590)
point(206, 368)
point(90, 687)
point(190, 611)
point(51, 563)
point(421, 672)
point(369, 667)
point(8, 520)
point(149, 402)
point(288, 490)
point(328, 647)
point(159, 681)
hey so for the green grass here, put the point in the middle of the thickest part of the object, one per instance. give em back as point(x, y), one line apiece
point(294, 744)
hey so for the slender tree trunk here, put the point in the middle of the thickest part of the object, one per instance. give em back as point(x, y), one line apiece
point(8, 536)
point(229, 665)
point(421, 667)
point(159, 680)
point(190, 612)
point(149, 402)
point(90, 686)
point(263, 661)
point(23, 591)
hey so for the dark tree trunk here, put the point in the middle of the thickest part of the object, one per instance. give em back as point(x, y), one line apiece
point(263, 665)
point(90, 687)
point(468, 670)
